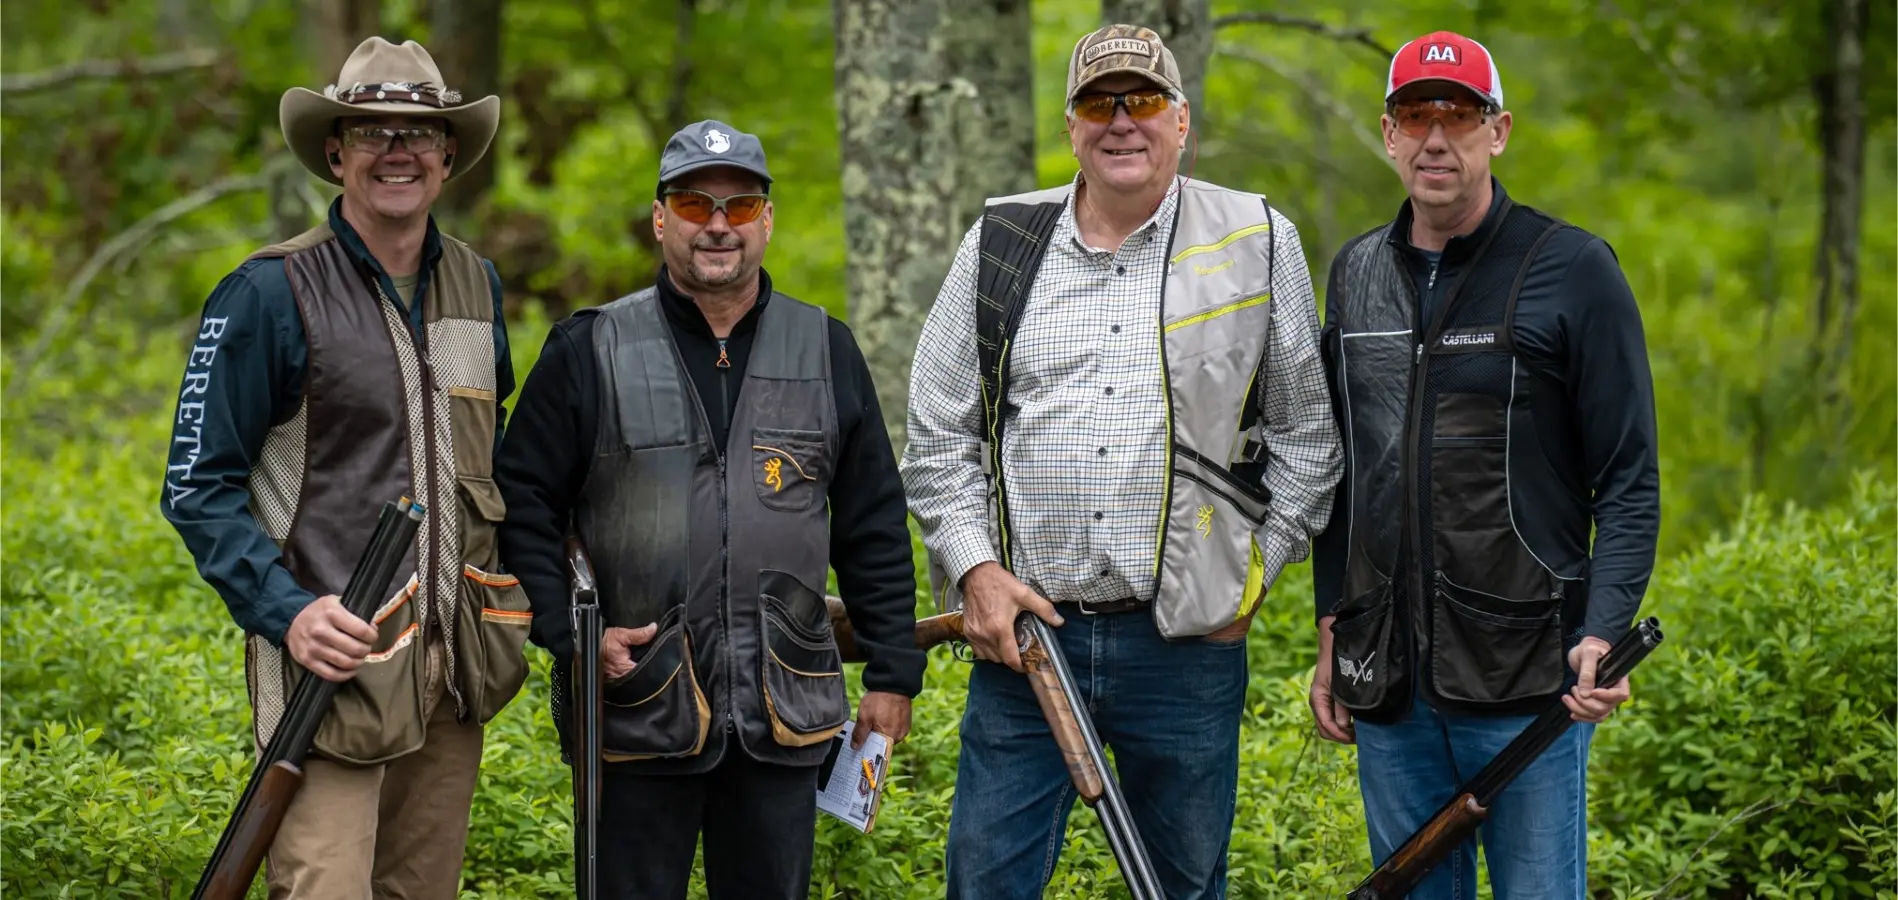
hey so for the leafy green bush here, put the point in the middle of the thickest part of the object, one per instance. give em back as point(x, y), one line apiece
point(1757, 757)
point(1755, 761)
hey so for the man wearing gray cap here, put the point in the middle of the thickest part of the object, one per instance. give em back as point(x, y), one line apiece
point(1135, 357)
point(717, 446)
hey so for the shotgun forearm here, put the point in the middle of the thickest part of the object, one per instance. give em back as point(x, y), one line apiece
point(1057, 707)
point(278, 775)
point(1459, 818)
point(1437, 839)
point(230, 875)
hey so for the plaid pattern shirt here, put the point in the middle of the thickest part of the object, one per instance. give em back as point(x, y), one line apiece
point(1085, 456)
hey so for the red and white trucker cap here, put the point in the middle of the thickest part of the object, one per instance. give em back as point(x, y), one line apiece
point(1446, 56)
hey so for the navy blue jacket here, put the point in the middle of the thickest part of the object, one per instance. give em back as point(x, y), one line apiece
point(244, 374)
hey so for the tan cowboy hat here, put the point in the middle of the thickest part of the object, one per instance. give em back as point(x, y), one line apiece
point(380, 78)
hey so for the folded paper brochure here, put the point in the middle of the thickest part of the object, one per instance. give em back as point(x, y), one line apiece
point(850, 782)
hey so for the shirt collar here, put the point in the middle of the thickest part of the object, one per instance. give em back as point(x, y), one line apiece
point(359, 251)
point(685, 311)
point(1067, 230)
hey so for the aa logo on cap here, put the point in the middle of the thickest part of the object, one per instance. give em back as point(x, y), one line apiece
point(717, 141)
point(1116, 45)
point(1441, 53)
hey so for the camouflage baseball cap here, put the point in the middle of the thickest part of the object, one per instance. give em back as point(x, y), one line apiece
point(1122, 48)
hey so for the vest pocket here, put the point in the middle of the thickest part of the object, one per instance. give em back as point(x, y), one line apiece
point(471, 417)
point(1489, 649)
point(657, 709)
point(803, 679)
point(1368, 666)
point(491, 631)
point(787, 465)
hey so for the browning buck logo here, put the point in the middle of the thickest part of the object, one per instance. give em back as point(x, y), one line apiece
point(774, 474)
point(1205, 520)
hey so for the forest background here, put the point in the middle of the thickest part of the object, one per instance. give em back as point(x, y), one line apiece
point(1739, 158)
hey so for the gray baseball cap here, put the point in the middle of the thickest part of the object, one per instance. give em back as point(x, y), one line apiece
point(712, 143)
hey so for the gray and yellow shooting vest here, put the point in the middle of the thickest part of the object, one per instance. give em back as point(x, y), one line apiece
point(726, 548)
point(381, 419)
point(1214, 323)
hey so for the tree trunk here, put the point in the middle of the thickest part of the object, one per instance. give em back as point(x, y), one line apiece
point(1841, 96)
point(1187, 28)
point(339, 26)
point(988, 47)
point(897, 115)
point(466, 44)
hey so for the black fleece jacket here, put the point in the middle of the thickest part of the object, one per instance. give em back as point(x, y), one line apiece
point(551, 435)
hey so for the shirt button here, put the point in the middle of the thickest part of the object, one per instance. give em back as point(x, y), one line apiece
point(1097, 516)
point(1115, 329)
point(1102, 451)
point(1120, 270)
point(1110, 392)
point(1107, 573)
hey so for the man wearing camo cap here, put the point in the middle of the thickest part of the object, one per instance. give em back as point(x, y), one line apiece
point(1141, 372)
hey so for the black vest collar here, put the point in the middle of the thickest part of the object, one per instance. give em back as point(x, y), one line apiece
point(1460, 247)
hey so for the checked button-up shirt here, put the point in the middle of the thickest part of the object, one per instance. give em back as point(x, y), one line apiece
point(1085, 456)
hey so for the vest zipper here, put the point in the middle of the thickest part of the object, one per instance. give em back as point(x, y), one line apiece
point(724, 524)
point(1418, 371)
point(418, 341)
point(724, 391)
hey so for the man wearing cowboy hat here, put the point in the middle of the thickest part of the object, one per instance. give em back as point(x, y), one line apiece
point(360, 362)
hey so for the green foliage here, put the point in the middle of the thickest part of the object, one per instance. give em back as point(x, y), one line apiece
point(1755, 760)
point(1766, 739)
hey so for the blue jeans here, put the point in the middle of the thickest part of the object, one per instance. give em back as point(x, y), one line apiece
point(1170, 712)
point(1535, 839)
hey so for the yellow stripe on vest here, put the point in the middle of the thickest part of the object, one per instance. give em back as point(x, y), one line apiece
point(1215, 313)
point(1223, 243)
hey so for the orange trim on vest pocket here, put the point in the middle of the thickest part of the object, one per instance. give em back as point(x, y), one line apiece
point(491, 580)
point(507, 616)
point(403, 640)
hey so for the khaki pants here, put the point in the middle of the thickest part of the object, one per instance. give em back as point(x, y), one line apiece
point(395, 830)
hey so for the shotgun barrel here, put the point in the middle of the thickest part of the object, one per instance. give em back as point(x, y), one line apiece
point(1459, 818)
point(278, 776)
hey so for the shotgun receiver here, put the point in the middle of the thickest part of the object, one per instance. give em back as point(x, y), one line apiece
point(1067, 717)
point(1458, 819)
point(278, 777)
point(588, 696)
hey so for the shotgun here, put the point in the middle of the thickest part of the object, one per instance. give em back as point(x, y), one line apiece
point(1061, 705)
point(278, 777)
point(1458, 819)
point(588, 697)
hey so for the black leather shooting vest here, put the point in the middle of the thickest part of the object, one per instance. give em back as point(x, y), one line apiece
point(726, 548)
point(1442, 591)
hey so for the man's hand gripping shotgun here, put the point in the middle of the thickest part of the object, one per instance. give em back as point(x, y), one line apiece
point(587, 697)
point(1458, 819)
point(1061, 705)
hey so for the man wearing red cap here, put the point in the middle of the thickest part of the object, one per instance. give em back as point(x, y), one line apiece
point(1491, 379)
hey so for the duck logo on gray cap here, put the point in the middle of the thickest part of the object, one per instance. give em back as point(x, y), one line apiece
point(717, 141)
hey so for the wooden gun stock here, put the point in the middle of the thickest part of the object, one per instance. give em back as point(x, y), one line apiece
point(230, 876)
point(1046, 683)
point(929, 632)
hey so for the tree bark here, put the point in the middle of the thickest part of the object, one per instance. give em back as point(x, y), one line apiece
point(1186, 27)
point(988, 48)
point(897, 113)
point(339, 26)
point(467, 46)
point(1841, 94)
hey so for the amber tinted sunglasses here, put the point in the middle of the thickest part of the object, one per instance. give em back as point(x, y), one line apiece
point(1145, 103)
point(697, 206)
point(1459, 117)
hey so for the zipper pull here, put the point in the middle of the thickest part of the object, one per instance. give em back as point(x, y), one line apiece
point(1433, 277)
point(724, 362)
point(1415, 360)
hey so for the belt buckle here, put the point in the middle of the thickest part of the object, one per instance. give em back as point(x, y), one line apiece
point(1110, 606)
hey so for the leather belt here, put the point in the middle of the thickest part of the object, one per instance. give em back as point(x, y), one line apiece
point(1123, 605)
